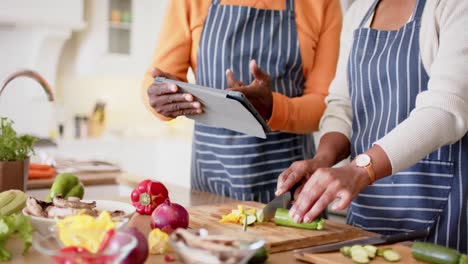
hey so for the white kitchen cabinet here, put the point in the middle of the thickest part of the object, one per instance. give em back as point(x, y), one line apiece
point(118, 49)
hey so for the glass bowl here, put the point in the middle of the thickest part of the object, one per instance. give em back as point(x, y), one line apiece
point(51, 245)
point(192, 255)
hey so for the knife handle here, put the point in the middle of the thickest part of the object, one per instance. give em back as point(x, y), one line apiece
point(406, 236)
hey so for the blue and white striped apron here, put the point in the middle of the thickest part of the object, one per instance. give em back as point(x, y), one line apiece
point(226, 162)
point(385, 74)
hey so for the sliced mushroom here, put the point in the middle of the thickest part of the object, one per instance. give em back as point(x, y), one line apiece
point(60, 212)
point(72, 203)
point(35, 207)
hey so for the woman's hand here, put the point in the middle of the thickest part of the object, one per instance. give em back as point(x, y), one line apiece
point(258, 92)
point(324, 186)
point(299, 171)
point(168, 101)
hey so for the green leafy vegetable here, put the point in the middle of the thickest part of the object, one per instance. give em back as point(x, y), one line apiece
point(12, 146)
point(14, 225)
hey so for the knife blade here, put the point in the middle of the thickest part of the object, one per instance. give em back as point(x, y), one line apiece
point(387, 239)
point(281, 201)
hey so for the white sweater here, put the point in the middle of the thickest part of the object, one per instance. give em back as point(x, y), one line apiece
point(441, 113)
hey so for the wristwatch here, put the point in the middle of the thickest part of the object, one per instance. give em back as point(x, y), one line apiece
point(364, 161)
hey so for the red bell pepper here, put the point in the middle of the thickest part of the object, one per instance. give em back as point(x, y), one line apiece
point(148, 195)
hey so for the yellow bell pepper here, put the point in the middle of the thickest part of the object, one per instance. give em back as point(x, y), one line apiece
point(158, 242)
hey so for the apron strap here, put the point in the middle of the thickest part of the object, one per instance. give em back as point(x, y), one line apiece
point(215, 2)
point(417, 14)
point(369, 13)
point(290, 5)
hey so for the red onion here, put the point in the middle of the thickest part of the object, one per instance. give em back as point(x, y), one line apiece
point(140, 253)
point(169, 216)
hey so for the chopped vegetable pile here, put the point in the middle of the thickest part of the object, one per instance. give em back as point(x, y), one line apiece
point(364, 254)
point(243, 216)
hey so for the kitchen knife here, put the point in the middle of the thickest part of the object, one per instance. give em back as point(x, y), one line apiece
point(281, 201)
point(388, 239)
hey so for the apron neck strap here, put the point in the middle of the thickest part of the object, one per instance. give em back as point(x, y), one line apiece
point(417, 13)
point(290, 5)
point(215, 2)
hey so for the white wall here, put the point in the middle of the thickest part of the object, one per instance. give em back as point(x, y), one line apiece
point(32, 34)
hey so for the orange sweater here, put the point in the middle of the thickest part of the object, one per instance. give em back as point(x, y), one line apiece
point(318, 24)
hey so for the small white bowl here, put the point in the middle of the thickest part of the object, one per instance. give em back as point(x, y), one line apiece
point(42, 224)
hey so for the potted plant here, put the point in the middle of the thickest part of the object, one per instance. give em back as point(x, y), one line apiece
point(14, 156)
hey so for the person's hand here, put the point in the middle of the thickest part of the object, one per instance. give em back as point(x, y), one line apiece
point(258, 92)
point(168, 101)
point(324, 186)
point(299, 172)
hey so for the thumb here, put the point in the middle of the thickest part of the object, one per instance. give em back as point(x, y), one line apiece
point(257, 72)
point(231, 80)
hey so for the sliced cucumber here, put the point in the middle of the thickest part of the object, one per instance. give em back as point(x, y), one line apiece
point(371, 250)
point(244, 224)
point(359, 254)
point(250, 219)
point(260, 216)
point(434, 253)
point(380, 251)
point(346, 251)
point(391, 255)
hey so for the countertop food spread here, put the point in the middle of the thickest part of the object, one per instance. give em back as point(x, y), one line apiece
point(223, 241)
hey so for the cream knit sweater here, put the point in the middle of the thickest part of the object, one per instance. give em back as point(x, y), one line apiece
point(441, 113)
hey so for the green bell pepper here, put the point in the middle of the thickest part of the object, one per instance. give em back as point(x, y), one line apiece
point(66, 185)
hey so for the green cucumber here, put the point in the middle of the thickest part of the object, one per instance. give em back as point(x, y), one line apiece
point(434, 253)
point(282, 218)
point(260, 256)
point(371, 250)
point(463, 259)
point(359, 254)
point(391, 255)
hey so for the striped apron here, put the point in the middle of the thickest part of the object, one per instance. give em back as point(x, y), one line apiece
point(385, 75)
point(226, 162)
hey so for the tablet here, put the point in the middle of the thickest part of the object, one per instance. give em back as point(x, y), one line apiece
point(227, 109)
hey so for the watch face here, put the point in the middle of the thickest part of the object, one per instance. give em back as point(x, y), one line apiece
point(362, 160)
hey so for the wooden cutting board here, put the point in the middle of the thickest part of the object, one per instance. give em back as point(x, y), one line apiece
point(278, 238)
point(337, 257)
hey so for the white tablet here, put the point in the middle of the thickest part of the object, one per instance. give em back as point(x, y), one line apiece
point(226, 109)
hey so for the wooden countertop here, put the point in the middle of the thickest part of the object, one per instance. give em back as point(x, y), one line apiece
point(179, 195)
point(188, 198)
